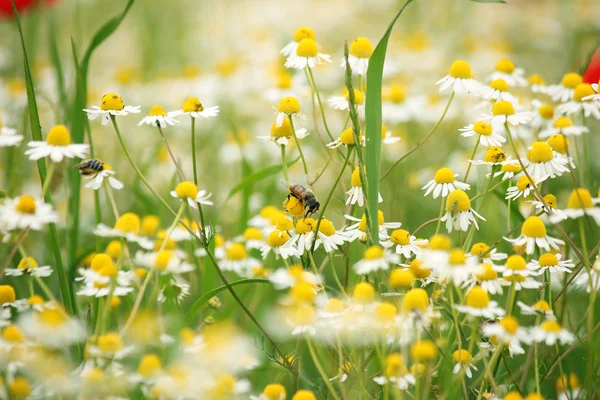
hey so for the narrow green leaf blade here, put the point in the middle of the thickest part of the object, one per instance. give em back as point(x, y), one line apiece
point(373, 125)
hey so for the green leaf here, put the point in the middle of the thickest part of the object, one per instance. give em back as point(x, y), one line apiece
point(36, 133)
point(195, 308)
point(489, 1)
point(257, 176)
point(373, 125)
point(55, 57)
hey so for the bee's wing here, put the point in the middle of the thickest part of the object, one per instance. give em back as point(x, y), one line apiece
point(285, 183)
point(80, 164)
point(308, 182)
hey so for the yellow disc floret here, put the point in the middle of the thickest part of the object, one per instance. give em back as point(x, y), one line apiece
point(58, 136)
point(294, 206)
point(27, 262)
point(500, 85)
point(440, 242)
point(460, 69)
point(400, 236)
point(580, 198)
point(415, 300)
point(510, 324)
point(304, 395)
point(505, 65)
point(546, 111)
point(482, 128)
point(423, 351)
point(536, 79)
point(503, 108)
point(285, 130)
point(277, 238)
point(186, 189)
point(289, 105)
point(361, 48)
point(462, 356)
point(551, 326)
point(128, 223)
point(559, 143)
point(303, 32)
point(111, 102)
point(494, 154)
point(149, 365)
point(486, 272)
point(478, 298)
point(548, 260)
point(571, 80)
point(307, 48)
point(401, 278)
point(110, 342)
point(364, 293)
point(156, 111)
point(444, 175)
point(563, 122)
point(237, 252)
point(397, 93)
point(26, 204)
point(582, 90)
point(274, 391)
point(192, 104)
point(534, 227)
point(516, 263)
point(458, 201)
point(7, 294)
point(347, 137)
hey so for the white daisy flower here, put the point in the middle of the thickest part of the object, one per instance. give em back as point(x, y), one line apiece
point(550, 332)
point(533, 233)
point(489, 256)
point(127, 226)
point(158, 117)
point(376, 258)
point(459, 79)
point(579, 205)
point(444, 183)
point(359, 53)
point(194, 108)
point(288, 107)
point(275, 242)
point(306, 55)
point(459, 214)
point(96, 181)
point(565, 90)
point(497, 90)
point(281, 135)
point(508, 331)
point(552, 263)
point(523, 188)
point(478, 304)
point(237, 259)
point(26, 212)
point(52, 327)
point(57, 146)
point(506, 70)
point(564, 126)
point(583, 103)
point(537, 84)
point(488, 134)
point(516, 274)
point(543, 115)
point(503, 112)
point(105, 282)
point(302, 320)
point(111, 105)
point(30, 266)
point(486, 276)
point(9, 137)
point(464, 362)
point(303, 32)
point(396, 373)
point(356, 194)
point(540, 307)
point(404, 243)
point(494, 155)
point(342, 103)
point(189, 192)
point(359, 228)
point(551, 202)
point(453, 266)
point(543, 164)
point(284, 278)
point(164, 261)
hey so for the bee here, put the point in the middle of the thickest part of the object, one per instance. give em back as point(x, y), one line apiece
point(90, 167)
point(305, 196)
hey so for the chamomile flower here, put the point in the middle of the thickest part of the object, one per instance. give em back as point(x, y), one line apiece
point(543, 115)
point(566, 89)
point(459, 79)
point(158, 117)
point(111, 104)
point(580, 204)
point(569, 387)
point(540, 307)
point(359, 228)
point(494, 155)
point(550, 201)
point(508, 331)
point(537, 84)
point(376, 258)
point(396, 108)
point(497, 90)
point(503, 112)
point(516, 274)
point(560, 148)
point(273, 391)
point(346, 138)
point(344, 371)
point(464, 362)
point(281, 135)
point(9, 137)
point(328, 236)
point(533, 234)
point(275, 243)
point(459, 214)
point(387, 137)
point(96, 179)
point(26, 212)
point(550, 332)
point(237, 259)
point(488, 134)
point(303, 32)
point(356, 194)
point(306, 55)
point(358, 58)
point(164, 261)
point(342, 103)
point(8, 298)
point(486, 276)
point(57, 146)
point(252, 237)
point(523, 187)
point(52, 327)
point(103, 278)
point(284, 278)
point(189, 192)
point(542, 162)
point(127, 226)
point(302, 320)
point(110, 346)
point(509, 169)
point(30, 266)
point(405, 244)
point(583, 102)
point(564, 126)
point(482, 249)
point(396, 373)
point(443, 183)
point(478, 304)
point(288, 107)
point(506, 70)
point(550, 262)
point(451, 266)
point(195, 109)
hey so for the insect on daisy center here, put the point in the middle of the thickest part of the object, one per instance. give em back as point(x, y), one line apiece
point(503, 108)
point(499, 84)
point(546, 111)
point(559, 143)
point(563, 122)
point(373, 253)
point(571, 80)
point(128, 223)
point(401, 237)
point(478, 298)
point(361, 48)
point(59, 136)
point(582, 90)
point(483, 128)
point(458, 201)
point(550, 199)
point(486, 273)
point(415, 300)
point(510, 324)
point(548, 260)
point(303, 32)
point(237, 252)
point(192, 104)
point(111, 102)
point(26, 204)
point(494, 154)
point(156, 111)
point(307, 48)
point(540, 152)
point(294, 206)
point(460, 69)
point(551, 326)
point(289, 105)
point(444, 175)
point(462, 356)
point(364, 293)
point(505, 65)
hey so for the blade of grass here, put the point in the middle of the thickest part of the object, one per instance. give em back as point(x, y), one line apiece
point(36, 132)
point(55, 57)
point(373, 124)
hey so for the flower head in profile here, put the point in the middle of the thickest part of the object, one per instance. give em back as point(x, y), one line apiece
point(358, 230)
point(564, 126)
point(356, 194)
point(533, 234)
point(564, 91)
point(127, 226)
point(488, 134)
point(396, 372)
point(443, 183)
point(306, 55)
point(516, 274)
point(506, 70)
point(359, 53)
point(497, 90)
point(550, 332)
point(301, 33)
point(188, 191)
point(30, 266)
point(540, 307)
point(537, 84)
point(342, 103)
point(281, 134)
point(508, 331)
point(503, 112)
point(288, 107)
point(376, 258)
point(26, 212)
point(96, 172)
point(459, 214)
point(478, 304)
point(8, 136)
point(464, 362)
point(405, 244)
point(459, 79)
point(56, 146)
point(494, 155)
point(543, 164)
point(579, 205)
point(111, 104)
point(158, 117)
point(550, 262)
point(52, 327)
point(195, 109)
point(523, 188)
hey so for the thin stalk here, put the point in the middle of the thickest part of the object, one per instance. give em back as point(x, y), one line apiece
point(315, 359)
point(470, 163)
point(298, 145)
point(590, 317)
point(439, 221)
point(314, 87)
point(194, 151)
point(48, 179)
point(284, 163)
point(177, 166)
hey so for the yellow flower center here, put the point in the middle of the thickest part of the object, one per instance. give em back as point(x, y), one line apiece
point(440, 242)
point(149, 365)
point(289, 105)
point(499, 84)
point(27, 262)
point(347, 137)
point(415, 300)
point(559, 143)
point(524, 182)
point(110, 342)
point(111, 102)
point(19, 387)
point(236, 252)
point(582, 90)
point(277, 238)
point(303, 32)
point(494, 154)
point(373, 253)
point(186, 190)
point(479, 248)
point(334, 305)
point(355, 180)
point(542, 305)
point(460, 69)
point(571, 80)
point(304, 395)
point(514, 168)
point(457, 257)
point(534, 227)
point(307, 48)
point(503, 108)
point(361, 48)
point(12, 334)
point(562, 386)
point(551, 326)
point(274, 391)
point(505, 65)
point(252, 234)
point(444, 175)
point(326, 227)
point(192, 104)
point(364, 293)
point(550, 199)
point(100, 261)
point(400, 236)
point(548, 260)
point(305, 225)
point(35, 300)
point(546, 111)
point(359, 97)
point(401, 278)
point(510, 324)
point(397, 93)
point(394, 365)
point(536, 79)
point(563, 122)
point(305, 315)
point(26, 204)
point(59, 136)
point(385, 312)
point(540, 153)
point(284, 224)
point(458, 201)
point(416, 267)
point(423, 351)
point(285, 130)
point(462, 356)
point(486, 273)
point(516, 263)
point(162, 259)
point(128, 223)
point(52, 317)
point(483, 128)
point(156, 111)
point(109, 270)
point(284, 81)
point(149, 225)
point(580, 198)
point(7, 294)
point(478, 298)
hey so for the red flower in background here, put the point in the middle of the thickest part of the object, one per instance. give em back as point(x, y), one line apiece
point(22, 5)
point(592, 72)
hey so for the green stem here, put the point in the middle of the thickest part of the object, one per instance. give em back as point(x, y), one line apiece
point(590, 317)
point(48, 179)
point(470, 163)
point(314, 86)
point(437, 228)
point(194, 151)
point(298, 145)
point(315, 359)
point(177, 166)
point(284, 163)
